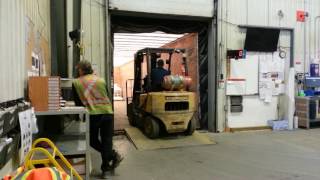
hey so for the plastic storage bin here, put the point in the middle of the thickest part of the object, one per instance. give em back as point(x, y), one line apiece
point(278, 125)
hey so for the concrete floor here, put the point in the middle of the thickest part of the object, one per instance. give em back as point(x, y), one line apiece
point(120, 115)
point(237, 156)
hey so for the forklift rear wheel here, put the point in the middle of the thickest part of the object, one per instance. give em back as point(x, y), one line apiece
point(131, 115)
point(151, 128)
point(131, 121)
point(191, 126)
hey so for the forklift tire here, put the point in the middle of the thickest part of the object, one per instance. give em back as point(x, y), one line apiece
point(131, 121)
point(191, 127)
point(151, 127)
point(131, 115)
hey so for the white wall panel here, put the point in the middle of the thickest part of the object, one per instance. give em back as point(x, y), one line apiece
point(255, 113)
point(86, 27)
point(257, 12)
point(13, 14)
point(93, 25)
point(39, 12)
point(201, 8)
point(12, 50)
point(264, 13)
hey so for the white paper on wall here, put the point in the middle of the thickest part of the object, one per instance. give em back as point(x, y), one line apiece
point(236, 87)
point(271, 76)
point(25, 120)
point(247, 69)
point(266, 89)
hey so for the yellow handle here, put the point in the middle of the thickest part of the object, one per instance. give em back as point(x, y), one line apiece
point(29, 163)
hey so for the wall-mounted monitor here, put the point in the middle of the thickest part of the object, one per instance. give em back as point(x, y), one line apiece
point(262, 39)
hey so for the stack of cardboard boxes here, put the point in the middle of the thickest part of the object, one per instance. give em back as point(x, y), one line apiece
point(45, 93)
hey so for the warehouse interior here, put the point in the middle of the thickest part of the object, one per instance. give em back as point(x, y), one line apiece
point(127, 89)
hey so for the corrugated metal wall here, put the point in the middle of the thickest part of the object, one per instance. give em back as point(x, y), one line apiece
point(15, 16)
point(264, 13)
point(39, 13)
point(12, 49)
point(93, 25)
point(201, 8)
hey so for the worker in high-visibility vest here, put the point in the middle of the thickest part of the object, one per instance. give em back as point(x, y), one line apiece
point(91, 92)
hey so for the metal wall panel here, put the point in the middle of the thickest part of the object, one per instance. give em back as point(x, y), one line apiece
point(93, 26)
point(11, 50)
point(201, 8)
point(257, 12)
point(39, 13)
point(13, 15)
point(265, 13)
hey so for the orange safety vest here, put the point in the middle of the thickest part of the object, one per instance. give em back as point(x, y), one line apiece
point(47, 173)
point(93, 94)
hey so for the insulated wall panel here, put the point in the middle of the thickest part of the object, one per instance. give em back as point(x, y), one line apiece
point(255, 113)
point(246, 69)
point(200, 8)
point(93, 38)
point(232, 13)
point(12, 50)
point(266, 13)
point(18, 20)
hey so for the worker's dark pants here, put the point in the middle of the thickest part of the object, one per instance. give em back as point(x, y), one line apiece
point(103, 125)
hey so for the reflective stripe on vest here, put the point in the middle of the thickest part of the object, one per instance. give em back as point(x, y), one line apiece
point(91, 95)
point(54, 174)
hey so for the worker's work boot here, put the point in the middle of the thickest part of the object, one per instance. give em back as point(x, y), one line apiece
point(106, 175)
point(116, 159)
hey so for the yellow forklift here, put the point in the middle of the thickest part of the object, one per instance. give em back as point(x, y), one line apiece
point(171, 110)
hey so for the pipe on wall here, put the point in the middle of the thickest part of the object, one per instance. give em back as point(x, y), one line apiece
point(310, 33)
point(304, 40)
point(316, 52)
point(69, 22)
point(108, 49)
point(58, 38)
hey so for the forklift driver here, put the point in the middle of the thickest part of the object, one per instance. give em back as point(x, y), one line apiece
point(157, 76)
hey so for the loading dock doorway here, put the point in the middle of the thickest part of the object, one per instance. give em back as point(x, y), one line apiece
point(119, 23)
point(125, 45)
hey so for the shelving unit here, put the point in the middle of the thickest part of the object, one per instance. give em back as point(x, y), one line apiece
point(71, 150)
point(9, 121)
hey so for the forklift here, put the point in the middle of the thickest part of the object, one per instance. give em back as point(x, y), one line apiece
point(171, 110)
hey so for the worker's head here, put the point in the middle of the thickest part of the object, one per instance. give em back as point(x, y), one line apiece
point(84, 68)
point(160, 63)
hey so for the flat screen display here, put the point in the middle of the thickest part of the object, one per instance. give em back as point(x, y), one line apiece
point(261, 39)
